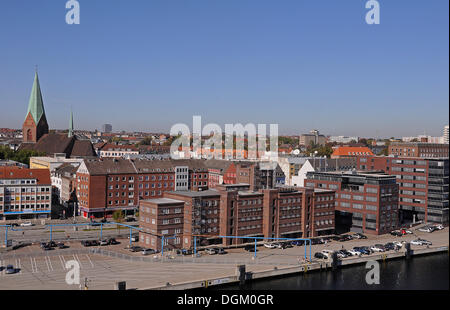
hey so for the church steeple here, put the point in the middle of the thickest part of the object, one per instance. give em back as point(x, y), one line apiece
point(35, 124)
point(70, 124)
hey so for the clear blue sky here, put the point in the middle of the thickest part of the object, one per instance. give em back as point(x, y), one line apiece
point(148, 64)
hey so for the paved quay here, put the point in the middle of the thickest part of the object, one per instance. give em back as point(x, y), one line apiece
point(46, 270)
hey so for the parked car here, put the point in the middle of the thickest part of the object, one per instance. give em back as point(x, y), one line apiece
point(359, 236)
point(26, 224)
point(287, 245)
point(421, 242)
point(43, 244)
point(354, 252)
point(135, 249)
point(398, 244)
point(406, 231)
point(377, 248)
point(113, 241)
point(185, 252)
point(364, 250)
point(95, 243)
point(47, 248)
point(250, 248)
point(396, 233)
point(298, 242)
point(269, 245)
point(211, 251)
point(61, 245)
point(341, 254)
point(86, 243)
point(439, 226)
point(94, 223)
point(130, 219)
point(221, 251)
point(327, 253)
point(346, 252)
point(277, 245)
point(14, 225)
point(428, 229)
point(345, 238)
point(148, 251)
point(320, 255)
point(104, 242)
point(390, 246)
point(10, 269)
point(52, 244)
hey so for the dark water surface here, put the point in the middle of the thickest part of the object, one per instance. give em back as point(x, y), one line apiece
point(429, 272)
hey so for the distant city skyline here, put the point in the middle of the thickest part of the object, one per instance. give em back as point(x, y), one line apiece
point(301, 64)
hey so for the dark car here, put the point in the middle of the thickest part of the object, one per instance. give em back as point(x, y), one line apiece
point(130, 219)
point(251, 248)
point(14, 225)
point(86, 243)
point(396, 233)
point(389, 246)
point(10, 269)
point(93, 223)
point(52, 244)
point(288, 244)
point(43, 244)
point(221, 251)
point(95, 243)
point(113, 241)
point(47, 248)
point(345, 252)
point(319, 255)
point(104, 221)
point(61, 245)
point(135, 249)
point(298, 242)
point(365, 250)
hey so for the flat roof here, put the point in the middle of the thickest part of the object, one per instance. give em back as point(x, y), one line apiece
point(209, 192)
point(160, 201)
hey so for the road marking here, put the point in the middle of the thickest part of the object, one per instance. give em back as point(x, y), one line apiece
point(46, 262)
point(89, 260)
point(78, 260)
point(32, 265)
point(62, 264)
point(1, 264)
point(49, 265)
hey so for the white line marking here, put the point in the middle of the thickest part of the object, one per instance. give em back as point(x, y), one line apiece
point(62, 264)
point(78, 260)
point(46, 262)
point(92, 264)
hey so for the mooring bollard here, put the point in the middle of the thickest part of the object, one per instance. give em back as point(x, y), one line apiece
point(408, 250)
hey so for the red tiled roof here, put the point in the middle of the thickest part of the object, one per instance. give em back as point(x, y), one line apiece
point(41, 175)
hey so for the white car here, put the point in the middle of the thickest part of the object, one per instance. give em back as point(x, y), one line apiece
point(327, 253)
point(26, 224)
point(354, 253)
point(439, 226)
point(398, 244)
point(269, 245)
point(211, 251)
point(427, 229)
point(421, 242)
point(375, 248)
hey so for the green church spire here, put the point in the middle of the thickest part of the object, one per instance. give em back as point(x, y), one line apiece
point(36, 104)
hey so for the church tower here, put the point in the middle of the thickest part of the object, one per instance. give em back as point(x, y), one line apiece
point(35, 124)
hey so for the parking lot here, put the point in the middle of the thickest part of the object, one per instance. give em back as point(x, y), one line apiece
point(38, 269)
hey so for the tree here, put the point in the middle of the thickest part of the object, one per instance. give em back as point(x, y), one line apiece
point(22, 156)
point(118, 216)
point(146, 141)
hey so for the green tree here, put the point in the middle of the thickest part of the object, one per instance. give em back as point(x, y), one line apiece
point(118, 216)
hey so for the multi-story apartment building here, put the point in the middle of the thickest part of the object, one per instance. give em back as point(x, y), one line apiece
point(418, 149)
point(424, 185)
point(314, 137)
point(24, 193)
point(365, 202)
point(236, 211)
point(161, 217)
point(106, 185)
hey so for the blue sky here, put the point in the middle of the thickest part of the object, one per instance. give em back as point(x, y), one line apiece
point(148, 64)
